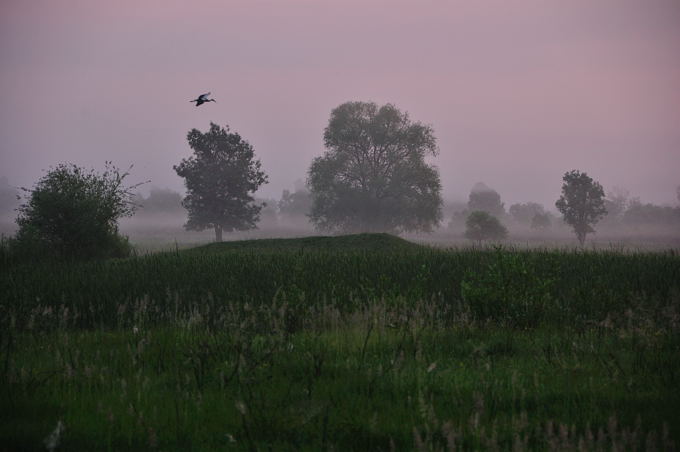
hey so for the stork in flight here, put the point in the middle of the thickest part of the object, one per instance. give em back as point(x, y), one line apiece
point(203, 98)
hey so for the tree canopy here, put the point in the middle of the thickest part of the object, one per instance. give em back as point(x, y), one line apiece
point(373, 176)
point(221, 178)
point(581, 203)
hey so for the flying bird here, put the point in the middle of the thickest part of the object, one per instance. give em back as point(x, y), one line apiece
point(203, 98)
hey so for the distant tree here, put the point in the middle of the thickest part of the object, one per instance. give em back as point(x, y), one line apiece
point(525, 213)
point(73, 213)
point(541, 221)
point(373, 176)
point(220, 179)
point(616, 204)
point(485, 199)
point(639, 214)
point(161, 200)
point(581, 203)
point(481, 225)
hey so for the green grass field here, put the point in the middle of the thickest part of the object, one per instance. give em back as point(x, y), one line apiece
point(365, 342)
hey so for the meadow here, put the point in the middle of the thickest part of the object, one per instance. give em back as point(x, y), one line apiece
point(365, 342)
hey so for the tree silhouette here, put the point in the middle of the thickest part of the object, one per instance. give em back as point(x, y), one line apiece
point(373, 176)
point(581, 203)
point(220, 178)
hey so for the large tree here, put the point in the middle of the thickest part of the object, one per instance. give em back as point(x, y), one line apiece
point(221, 178)
point(581, 203)
point(373, 176)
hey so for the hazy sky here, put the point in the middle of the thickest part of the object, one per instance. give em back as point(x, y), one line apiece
point(518, 92)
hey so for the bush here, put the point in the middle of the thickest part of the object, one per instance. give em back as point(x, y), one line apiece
point(73, 213)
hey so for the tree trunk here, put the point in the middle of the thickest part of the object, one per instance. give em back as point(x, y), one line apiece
point(218, 233)
point(581, 235)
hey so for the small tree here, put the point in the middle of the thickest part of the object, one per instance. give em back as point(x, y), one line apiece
point(482, 226)
point(221, 178)
point(373, 176)
point(581, 203)
point(73, 213)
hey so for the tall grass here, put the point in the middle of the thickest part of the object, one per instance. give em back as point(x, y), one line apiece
point(313, 345)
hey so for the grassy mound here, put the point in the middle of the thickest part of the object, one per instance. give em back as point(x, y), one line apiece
point(368, 242)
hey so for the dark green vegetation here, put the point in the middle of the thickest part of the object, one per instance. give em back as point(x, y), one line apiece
point(221, 178)
point(73, 213)
point(373, 176)
point(358, 342)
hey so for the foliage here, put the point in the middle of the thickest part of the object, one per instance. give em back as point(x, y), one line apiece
point(220, 179)
point(373, 176)
point(73, 213)
point(581, 203)
point(639, 214)
point(616, 203)
point(483, 226)
point(508, 291)
point(485, 199)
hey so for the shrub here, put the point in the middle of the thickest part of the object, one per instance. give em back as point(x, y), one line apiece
point(73, 213)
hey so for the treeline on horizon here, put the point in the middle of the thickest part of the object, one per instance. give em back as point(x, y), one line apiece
point(624, 212)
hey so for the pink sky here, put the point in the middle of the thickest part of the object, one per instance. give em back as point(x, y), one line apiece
point(518, 92)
